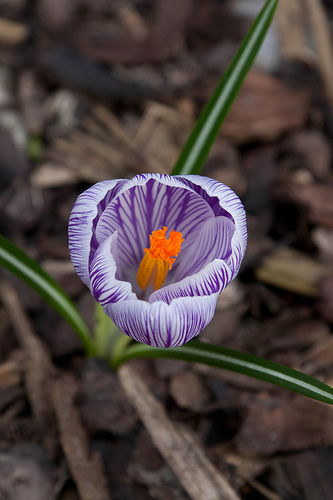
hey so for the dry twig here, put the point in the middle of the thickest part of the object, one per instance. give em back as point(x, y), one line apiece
point(38, 365)
point(290, 23)
point(198, 476)
point(322, 36)
point(87, 471)
point(323, 41)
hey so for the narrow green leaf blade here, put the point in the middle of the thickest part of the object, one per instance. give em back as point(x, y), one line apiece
point(211, 119)
point(16, 261)
point(247, 364)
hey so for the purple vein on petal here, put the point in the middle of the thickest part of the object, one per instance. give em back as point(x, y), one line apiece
point(142, 209)
point(213, 241)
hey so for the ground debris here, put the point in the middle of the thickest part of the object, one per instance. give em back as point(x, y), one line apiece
point(86, 467)
point(38, 368)
point(196, 473)
point(276, 424)
point(103, 405)
point(316, 198)
point(26, 473)
point(291, 270)
point(256, 116)
point(149, 468)
point(189, 391)
point(304, 476)
point(93, 90)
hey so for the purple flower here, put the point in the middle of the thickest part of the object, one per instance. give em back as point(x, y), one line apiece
point(156, 251)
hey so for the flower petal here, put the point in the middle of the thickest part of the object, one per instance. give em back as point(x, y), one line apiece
point(134, 215)
point(160, 324)
point(210, 280)
point(87, 207)
point(104, 285)
point(211, 241)
point(229, 202)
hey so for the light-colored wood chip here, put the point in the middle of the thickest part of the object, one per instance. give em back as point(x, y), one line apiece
point(318, 21)
point(10, 373)
point(198, 476)
point(50, 175)
point(12, 32)
point(294, 271)
point(290, 23)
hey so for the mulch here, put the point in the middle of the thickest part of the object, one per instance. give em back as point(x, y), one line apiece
point(92, 90)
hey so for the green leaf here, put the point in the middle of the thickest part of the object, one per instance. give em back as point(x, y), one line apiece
point(35, 148)
point(109, 342)
point(16, 261)
point(247, 364)
point(211, 119)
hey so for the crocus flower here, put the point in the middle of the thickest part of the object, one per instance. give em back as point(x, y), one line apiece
point(156, 251)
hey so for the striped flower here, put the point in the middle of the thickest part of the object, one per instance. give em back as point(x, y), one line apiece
point(156, 251)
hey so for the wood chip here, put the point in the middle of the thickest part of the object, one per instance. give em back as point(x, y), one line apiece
point(325, 304)
point(132, 21)
point(112, 125)
point(323, 239)
point(12, 32)
point(290, 18)
point(275, 424)
point(189, 391)
point(100, 45)
point(26, 473)
point(38, 366)
point(319, 25)
point(10, 373)
point(172, 16)
point(318, 358)
point(305, 476)
point(148, 467)
point(198, 476)
point(50, 175)
point(256, 116)
point(308, 149)
point(86, 468)
point(103, 404)
point(162, 134)
point(293, 271)
point(316, 198)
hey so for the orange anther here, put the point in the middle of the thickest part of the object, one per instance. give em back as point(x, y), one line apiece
point(159, 257)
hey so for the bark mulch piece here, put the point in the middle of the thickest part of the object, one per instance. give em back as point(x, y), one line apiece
point(26, 473)
point(276, 425)
point(86, 467)
point(103, 405)
point(304, 476)
point(195, 472)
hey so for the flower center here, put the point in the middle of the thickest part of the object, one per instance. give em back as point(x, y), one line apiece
point(158, 259)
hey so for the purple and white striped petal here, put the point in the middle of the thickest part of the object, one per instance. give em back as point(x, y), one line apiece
point(87, 208)
point(131, 214)
point(210, 280)
point(212, 240)
point(104, 285)
point(160, 324)
point(228, 201)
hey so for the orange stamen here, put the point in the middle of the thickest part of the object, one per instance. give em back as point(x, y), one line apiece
point(158, 259)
